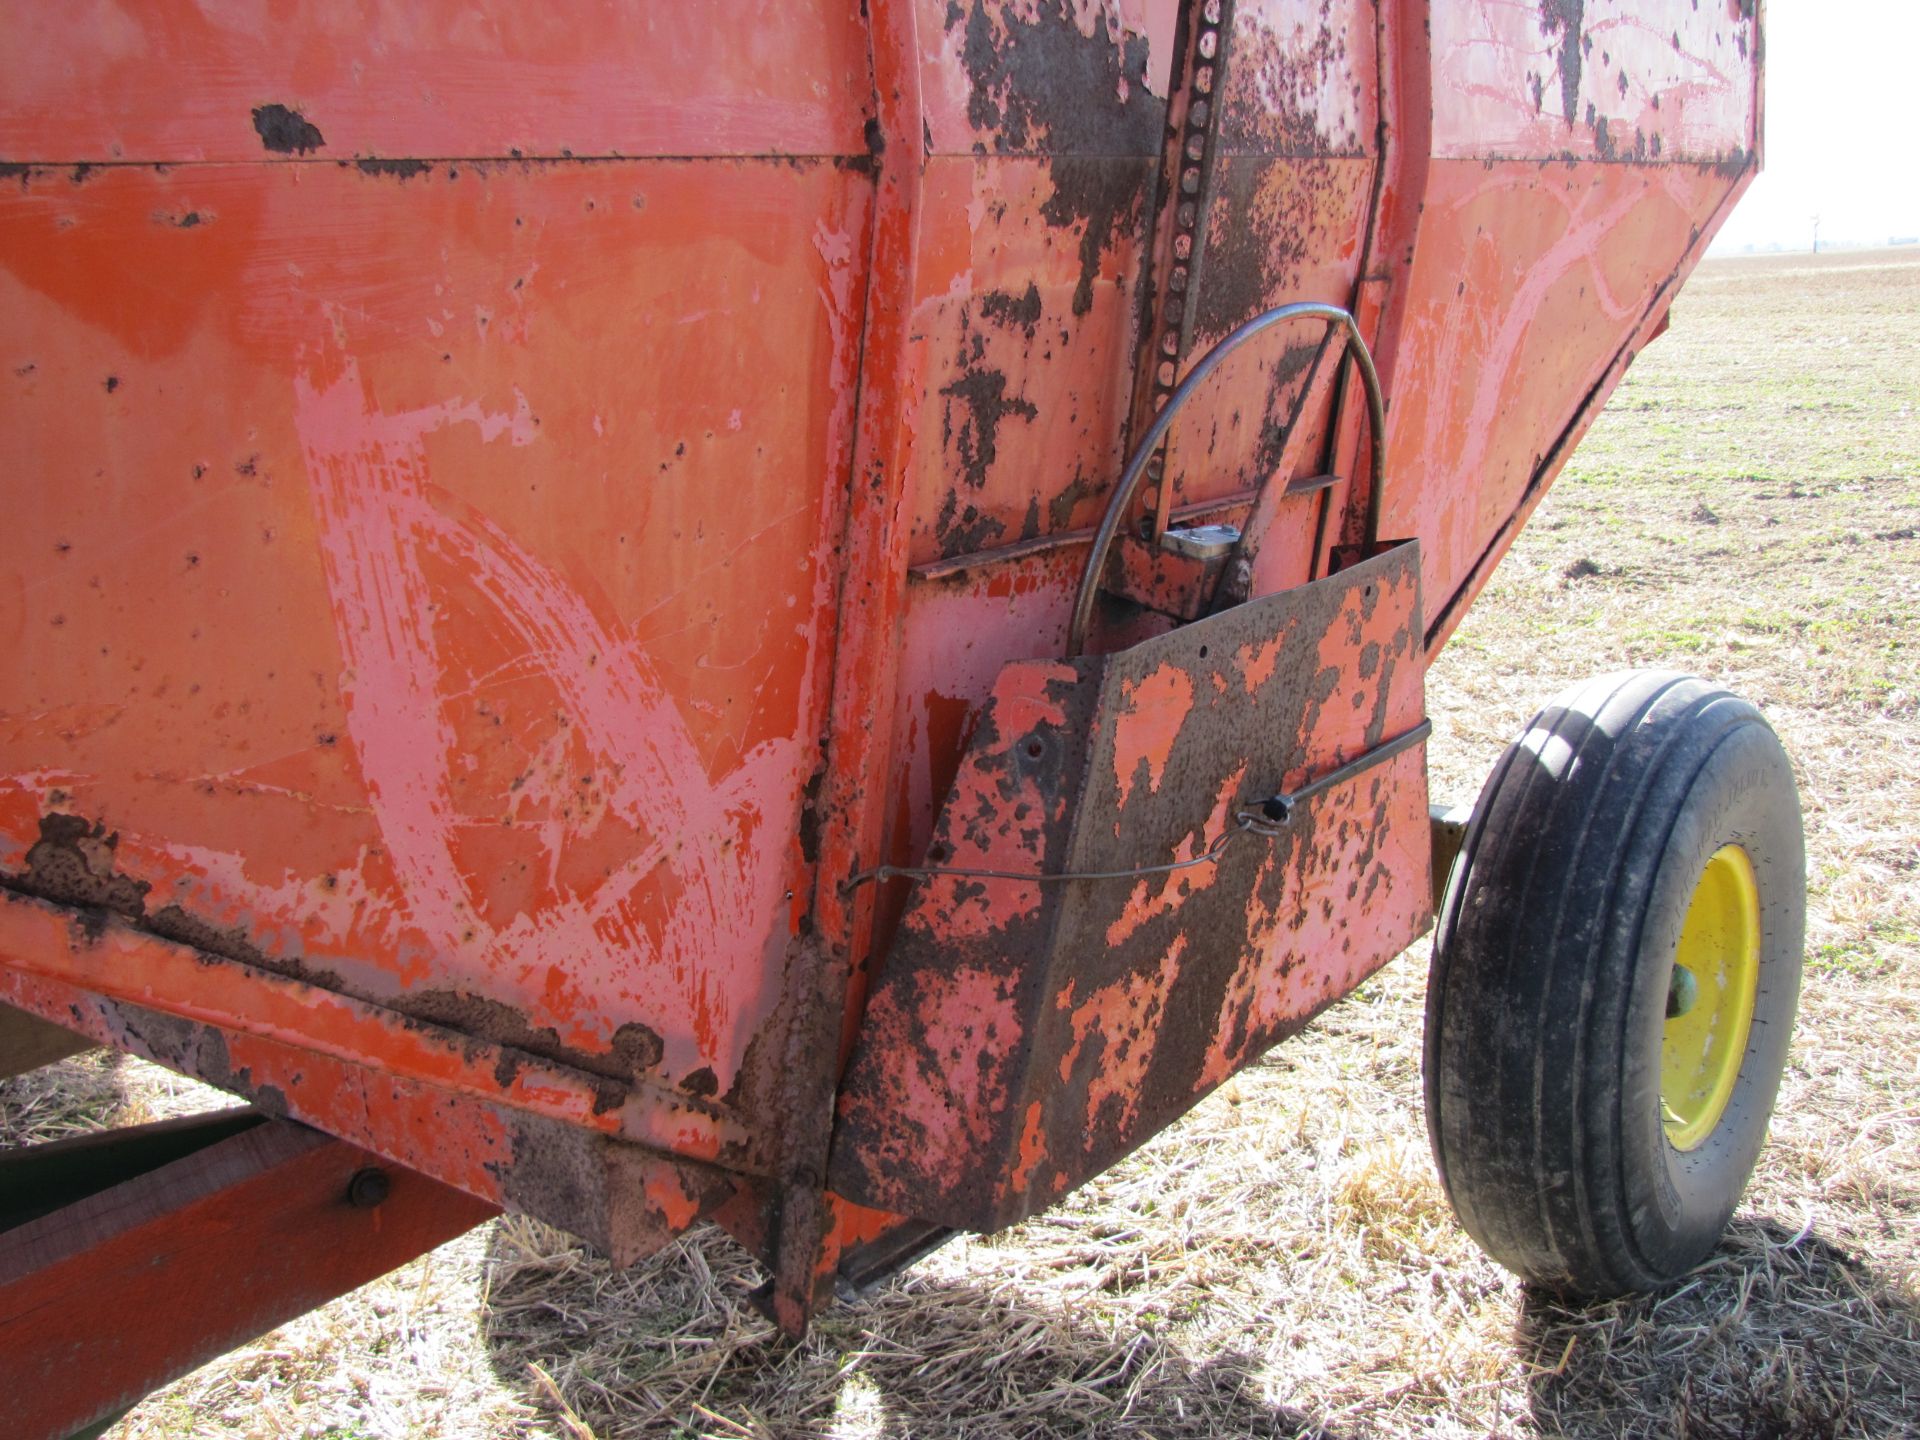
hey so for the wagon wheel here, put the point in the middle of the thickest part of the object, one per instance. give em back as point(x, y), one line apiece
point(1614, 981)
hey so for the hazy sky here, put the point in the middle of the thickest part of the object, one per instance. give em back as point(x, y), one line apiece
point(1842, 141)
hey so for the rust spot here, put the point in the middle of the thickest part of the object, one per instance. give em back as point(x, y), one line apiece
point(397, 169)
point(1271, 103)
point(173, 923)
point(1020, 312)
point(637, 1046)
point(1292, 364)
point(490, 1020)
point(605, 1191)
point(192, 1048)
point(286, 132)
point(1603, 143)
point(1104, 197)
point(984, 394)
point(72, 863)
point(1735, 163)
point(1042, 85)
point(1061, 507)
point(1563, 18)
point(1258, 240)
point(809, 829)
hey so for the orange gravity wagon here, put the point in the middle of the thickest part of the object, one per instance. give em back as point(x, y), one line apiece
point(813, 617)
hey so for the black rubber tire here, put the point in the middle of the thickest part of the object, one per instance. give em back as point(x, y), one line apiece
point(1547, 995)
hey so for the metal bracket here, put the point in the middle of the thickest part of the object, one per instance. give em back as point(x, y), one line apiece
point(1448, 824)
point(1202, 542)
point(1273, 814)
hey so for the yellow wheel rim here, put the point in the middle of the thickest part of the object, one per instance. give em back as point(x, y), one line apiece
point(1710, 1009)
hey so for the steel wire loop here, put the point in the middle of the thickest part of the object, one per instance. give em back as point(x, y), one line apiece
point(1122, 498)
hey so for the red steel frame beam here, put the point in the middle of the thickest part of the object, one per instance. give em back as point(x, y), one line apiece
point(812, 1226)
point(106, 957)
point(326, 1060)
point(109, 1297)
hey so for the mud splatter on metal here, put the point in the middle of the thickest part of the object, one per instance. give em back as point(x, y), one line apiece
point(1025, 1036)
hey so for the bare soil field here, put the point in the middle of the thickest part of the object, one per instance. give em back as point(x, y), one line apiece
point(1283, 1262)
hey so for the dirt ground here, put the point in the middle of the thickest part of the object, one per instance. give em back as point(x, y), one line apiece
point(1282, 1262)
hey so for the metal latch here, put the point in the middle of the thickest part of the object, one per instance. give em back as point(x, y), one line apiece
point(1201, 542)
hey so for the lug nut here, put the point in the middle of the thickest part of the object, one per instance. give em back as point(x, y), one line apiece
point(1683, 992)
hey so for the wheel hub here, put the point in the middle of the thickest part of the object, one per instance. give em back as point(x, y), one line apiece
point(1710, 999)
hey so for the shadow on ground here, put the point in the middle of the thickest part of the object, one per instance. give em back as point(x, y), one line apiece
point(1783, 1335)
point(671, 1348)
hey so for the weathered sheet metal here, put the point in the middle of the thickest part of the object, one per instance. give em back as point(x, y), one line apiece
point(418, 1097)
point(1597, 80)
point(1522, 252)
point(1025, 1035)
point(396, 82)
point(507, 512)
point(1294, 170)
point(405, 666)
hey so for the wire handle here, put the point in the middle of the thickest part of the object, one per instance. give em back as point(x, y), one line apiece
point(1130, 478)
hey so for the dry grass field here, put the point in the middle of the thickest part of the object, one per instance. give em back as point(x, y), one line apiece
point(1283, 1262)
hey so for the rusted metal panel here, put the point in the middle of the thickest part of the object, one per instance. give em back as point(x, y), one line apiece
point(1023, 303)
point(413, 645)
point(114, 959)
point(1586, 257)
point(846, 815)
point(1301, 80)
point(965, 619)
point(1596, 80)
point(1045, 77)
point(111, 1296)
point(1024, 1035)
point(543, 1145)
point(395, 80)
point(1283, 197)
point(1284, 230)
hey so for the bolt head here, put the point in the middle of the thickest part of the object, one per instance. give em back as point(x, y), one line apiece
point(368, 1188)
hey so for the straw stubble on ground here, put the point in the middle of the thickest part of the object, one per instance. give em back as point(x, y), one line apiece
point(1282, 1261)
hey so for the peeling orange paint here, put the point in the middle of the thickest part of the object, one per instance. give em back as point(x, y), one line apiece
point(1145, 729)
